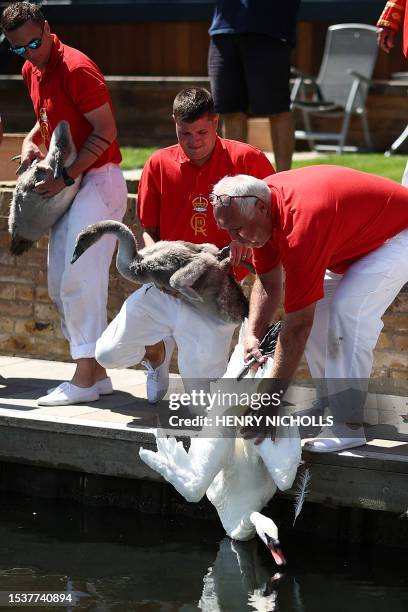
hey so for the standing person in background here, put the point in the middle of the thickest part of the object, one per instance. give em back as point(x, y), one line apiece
point(63, 83)
point(392, 18)
point(249, 67)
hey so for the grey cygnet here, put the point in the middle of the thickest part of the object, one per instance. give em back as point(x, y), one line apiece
point(199, 273)
point(31, 214)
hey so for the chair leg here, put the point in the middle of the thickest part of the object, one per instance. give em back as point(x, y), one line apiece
point(397, 143)
point(366, 130)
point(308, 126)
point(343, 133)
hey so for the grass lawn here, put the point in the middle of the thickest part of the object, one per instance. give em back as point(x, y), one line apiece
point(134, 157)
point(376, 163)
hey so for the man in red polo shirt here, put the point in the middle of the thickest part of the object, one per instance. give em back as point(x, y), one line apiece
point(340, 236)
point(65, 84)
point(173, 204)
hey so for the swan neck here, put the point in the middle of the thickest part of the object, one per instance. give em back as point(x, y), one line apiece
point(127, 250)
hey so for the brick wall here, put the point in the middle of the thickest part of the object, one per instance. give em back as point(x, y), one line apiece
point(29, 323)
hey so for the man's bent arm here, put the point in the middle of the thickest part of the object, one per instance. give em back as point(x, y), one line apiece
point(103, 134)
point(30, 148)
point(289, 350)
point(101, 137)
point(292, 341)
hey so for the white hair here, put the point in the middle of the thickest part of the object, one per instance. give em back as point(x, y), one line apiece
point(243, 185)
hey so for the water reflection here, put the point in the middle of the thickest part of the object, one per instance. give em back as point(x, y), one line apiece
point(117, 561)
point(239, 576)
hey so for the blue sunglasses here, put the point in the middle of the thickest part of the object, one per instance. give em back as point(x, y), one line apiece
point(33, 44)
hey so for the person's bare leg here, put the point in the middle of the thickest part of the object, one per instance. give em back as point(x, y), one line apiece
point(84, 375)
point(234, 126)
point(100, 372)
point(283, 139)
point(155, 354)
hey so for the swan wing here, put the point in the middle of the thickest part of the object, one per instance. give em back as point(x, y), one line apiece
point(190, 472)
point(282, 457)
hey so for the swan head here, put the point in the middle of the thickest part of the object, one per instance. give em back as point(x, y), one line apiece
point(86, 238)
point(268, 532)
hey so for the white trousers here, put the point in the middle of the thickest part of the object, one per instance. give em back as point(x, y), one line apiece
point(149, 315)
point(347, 320)
point(80, 290)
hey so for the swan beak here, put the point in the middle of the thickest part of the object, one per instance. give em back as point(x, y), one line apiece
point(276, 551)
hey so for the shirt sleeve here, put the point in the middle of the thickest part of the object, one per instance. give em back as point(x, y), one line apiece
point(305, 265)
point(258, 165)
point(392, 15)
point(266, 258)
point(87, 88)
point(303, 286)
point(149, 196)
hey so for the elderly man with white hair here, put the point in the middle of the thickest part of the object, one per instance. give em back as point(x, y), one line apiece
point(341, 238)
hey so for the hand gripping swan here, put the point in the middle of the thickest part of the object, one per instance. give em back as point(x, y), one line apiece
point(31, 214)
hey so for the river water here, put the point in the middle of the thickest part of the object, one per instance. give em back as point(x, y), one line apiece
point(121, 561)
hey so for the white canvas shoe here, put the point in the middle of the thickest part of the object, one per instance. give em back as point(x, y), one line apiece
point(333, 440)
point(67, 394)
point(104, 387)
point(157, 381)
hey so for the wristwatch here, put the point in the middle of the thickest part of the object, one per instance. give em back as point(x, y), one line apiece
point(68, 180)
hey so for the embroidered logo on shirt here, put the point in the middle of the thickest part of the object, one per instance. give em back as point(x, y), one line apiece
point(198, 223)
point(198, 220)
point(200, 203)
point(44, 125)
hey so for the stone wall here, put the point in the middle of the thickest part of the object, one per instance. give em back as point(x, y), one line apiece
point(29, 323)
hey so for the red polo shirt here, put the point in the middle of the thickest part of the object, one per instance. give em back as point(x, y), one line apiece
point(71, 86)
point(173, 192)
point(327, 217)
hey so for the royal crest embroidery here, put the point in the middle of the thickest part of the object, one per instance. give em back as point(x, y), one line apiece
point(200, 203)
point(44, 126)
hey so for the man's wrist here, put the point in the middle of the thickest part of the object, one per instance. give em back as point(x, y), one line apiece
point(68, 180)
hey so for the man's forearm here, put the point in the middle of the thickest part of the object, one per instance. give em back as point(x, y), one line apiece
point(262, 306)
point(92, 149)
point(289, 350)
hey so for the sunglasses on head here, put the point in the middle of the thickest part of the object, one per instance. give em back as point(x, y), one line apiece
point(33, 44)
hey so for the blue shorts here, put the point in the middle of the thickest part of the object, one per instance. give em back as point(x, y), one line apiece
point(249, 73)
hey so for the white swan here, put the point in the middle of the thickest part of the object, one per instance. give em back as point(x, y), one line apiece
point(238, 476)
point(31, 214)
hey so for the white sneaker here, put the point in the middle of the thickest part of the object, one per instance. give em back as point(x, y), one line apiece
point(329, 440)
point(104, 387)
point(67, 394)
point(157, 381)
